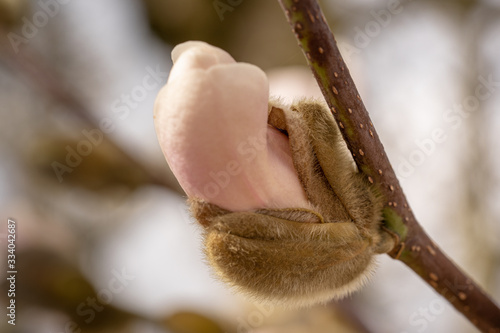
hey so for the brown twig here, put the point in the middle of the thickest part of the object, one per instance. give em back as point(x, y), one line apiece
point(415, 248)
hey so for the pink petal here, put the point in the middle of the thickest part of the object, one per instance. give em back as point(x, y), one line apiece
point(211, 121)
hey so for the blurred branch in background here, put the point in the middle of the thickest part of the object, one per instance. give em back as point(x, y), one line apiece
point(38, 74)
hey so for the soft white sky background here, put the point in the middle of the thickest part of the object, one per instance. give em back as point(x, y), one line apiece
point(408, 76)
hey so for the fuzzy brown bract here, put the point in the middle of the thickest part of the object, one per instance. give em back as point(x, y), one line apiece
point(300, 256)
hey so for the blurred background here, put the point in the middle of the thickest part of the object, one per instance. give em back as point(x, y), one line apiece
point(104, 240)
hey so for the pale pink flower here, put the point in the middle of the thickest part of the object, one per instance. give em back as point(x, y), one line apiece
point(211, 122)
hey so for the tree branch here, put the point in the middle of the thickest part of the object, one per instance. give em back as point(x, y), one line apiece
point(415, 248)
